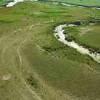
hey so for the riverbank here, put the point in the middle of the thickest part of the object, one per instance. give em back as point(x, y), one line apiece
point(71, 43)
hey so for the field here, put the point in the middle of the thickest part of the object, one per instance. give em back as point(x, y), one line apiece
point(34, 65)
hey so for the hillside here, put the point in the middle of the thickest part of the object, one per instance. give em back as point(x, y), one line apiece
point(34, 65)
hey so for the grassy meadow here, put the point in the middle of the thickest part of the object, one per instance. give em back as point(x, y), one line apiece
point(34, 65)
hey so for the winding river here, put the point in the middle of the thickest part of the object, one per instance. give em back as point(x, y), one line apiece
point(59, 34)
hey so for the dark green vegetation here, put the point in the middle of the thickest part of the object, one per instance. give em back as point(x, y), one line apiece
point(34, 65)
point(3, 2)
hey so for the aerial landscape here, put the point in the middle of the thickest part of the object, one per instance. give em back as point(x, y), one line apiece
point(49, 49)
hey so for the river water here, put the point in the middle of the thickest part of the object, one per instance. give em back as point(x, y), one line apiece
point(59, 34)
